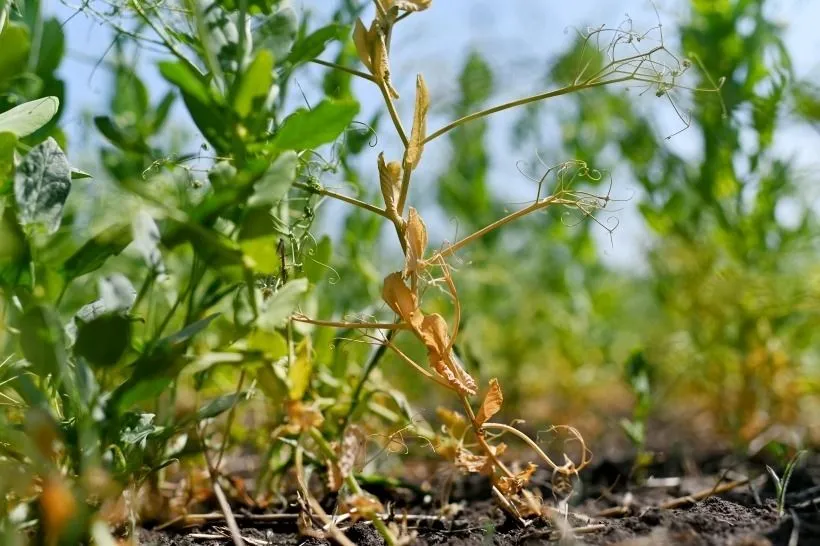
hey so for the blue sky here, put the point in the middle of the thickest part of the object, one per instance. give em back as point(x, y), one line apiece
point(517, 37)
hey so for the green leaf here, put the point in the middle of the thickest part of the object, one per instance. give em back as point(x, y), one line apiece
point(254, 84)
point(312, 45)
point(15, 45)
point(188, 81)
point(316, 260)
point(140, 391)
point(26, 118)
point(41, 339)
point(271, 344)
point(52, 47)
point(121, 138)
point(299, 376)
point(93, 254)
point(7, 144)
point(275, 183)
point(278, 308)
point(77, 174)
point(41, 185)
point(307, 129)
point(219, 405)
point(103, 340)
point(258, 238)
point(130, 98)
point(161, 111)
point(277, 32)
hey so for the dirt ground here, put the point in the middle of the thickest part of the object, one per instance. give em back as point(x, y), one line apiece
point(703, 509)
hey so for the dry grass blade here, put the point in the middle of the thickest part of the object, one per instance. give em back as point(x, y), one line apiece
point(492, 403)
point(419, 131)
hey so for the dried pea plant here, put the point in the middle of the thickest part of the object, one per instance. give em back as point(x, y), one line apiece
point(472, 442)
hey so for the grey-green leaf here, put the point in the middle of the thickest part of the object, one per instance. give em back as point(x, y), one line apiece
point(282, 304)
point(276, 181)
point(26, 118)
point(41, 185)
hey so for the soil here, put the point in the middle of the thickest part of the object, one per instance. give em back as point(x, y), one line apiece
point(608, 509)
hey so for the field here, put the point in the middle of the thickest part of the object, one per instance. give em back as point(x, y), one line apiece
point(279, 289)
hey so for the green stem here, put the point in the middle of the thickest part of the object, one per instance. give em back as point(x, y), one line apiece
point(368, 369)
point(520, 102)
point(350, 200)
point(351, 71)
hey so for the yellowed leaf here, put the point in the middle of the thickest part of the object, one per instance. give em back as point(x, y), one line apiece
point(455, 422)
point(513, 485)
point(492, 403)
point(390, 181)
point(300, 371)
point(433, 332)
point(57, 506)
point(361, 39)
point(301, 416)
point(401, 300)
point(416, 237)
point(363, 507)
point(419, 132)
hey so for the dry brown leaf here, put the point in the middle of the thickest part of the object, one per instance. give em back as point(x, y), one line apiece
point(412, 5)
point(352, 449)
point(390, 181)
point(513, 485)
point(361, 39)
point(363, 507)
point(433, 332)
point(492, 403)
point(302, 417)
point(401, 300)
point(380, 60)
point(416, 237)
point(455, 422)
point(419, 132)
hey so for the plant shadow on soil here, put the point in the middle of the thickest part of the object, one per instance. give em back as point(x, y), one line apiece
point(743, 516)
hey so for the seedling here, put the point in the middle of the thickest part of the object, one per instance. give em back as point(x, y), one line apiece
point(781, 485)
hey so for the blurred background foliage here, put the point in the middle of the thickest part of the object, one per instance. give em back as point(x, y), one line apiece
point(711, 336)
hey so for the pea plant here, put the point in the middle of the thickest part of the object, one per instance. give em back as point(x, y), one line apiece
point(212, 288)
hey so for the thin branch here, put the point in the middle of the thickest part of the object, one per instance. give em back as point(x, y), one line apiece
point(394, 115)
point(351, 71)
point(360, 325)
point(350, 200)
point(520, 102)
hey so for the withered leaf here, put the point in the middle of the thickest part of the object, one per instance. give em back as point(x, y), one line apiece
point(513, 485)
point(361, 39)
point(470, 462)
point(492, 403)
point(363, 507)
point(416, 237)
point(351, 450)
point(419, 132)
point(455, 422)
point(401, 300)
point(301, 416)
point(412, 5)
point(433, 332)
point(390, 181)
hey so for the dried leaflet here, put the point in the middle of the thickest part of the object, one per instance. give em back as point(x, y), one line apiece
point(433, 333)
point(513, 485)
point(351, 450)
point(419, 132)
point(363, 507)
point(402, 300)
point(492, 403)
point(416, 238)
point(390, 182)
point(361, 38)
point(301, 417)
point(411, 5)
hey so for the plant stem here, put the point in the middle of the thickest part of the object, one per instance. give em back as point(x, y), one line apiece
point(405, 188)
point(362, 325)
point(368, 369)
point(538, 205)
point(394, 115)
point(520, 102)
point(351, 71)
point(350, 200)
